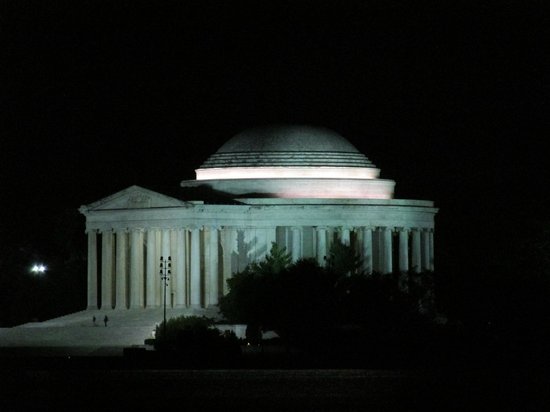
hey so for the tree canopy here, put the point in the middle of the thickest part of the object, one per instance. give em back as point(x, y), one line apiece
point(302, 299)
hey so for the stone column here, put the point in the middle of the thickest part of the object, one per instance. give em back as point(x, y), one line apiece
point(107, 269)
point(180, 268)
point(388, 253)
point(367, 250)
point(321, 245)
point(195, 285)
point(213, 263)
point(159, 286)
point(165, 253)
point(425, 249)
point(227, 248)
point(270, 238)
point(152, 276)
point(432, 255)
point(330, 238)
point(345, 236)
point(296, 243)
point(92, 269)
point(121, 270)
point(416, 256)
point(136, 268)
point(379, 239)
point(404, 250)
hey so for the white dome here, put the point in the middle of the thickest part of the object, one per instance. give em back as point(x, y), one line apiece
point(292, 162)
point(287, 138)
point(287, 146)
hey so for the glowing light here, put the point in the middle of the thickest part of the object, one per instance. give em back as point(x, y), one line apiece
point(38, 268)
point(287, 172)
point(312, 188)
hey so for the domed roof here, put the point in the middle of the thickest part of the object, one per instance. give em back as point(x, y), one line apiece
point(288, 139)
point(291, 162)
point(287, 146)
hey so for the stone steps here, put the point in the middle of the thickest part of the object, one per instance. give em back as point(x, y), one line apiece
point(77, 334)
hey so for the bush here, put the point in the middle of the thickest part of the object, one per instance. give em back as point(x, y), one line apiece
point(194, 341)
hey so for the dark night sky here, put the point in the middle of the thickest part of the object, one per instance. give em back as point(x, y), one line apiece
point(447, 98)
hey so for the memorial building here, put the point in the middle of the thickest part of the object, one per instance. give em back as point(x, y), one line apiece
point(299, 186)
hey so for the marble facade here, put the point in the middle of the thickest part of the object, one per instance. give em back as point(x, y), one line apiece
point(129, 231)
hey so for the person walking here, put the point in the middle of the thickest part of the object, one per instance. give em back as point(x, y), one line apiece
point(93, 320)
point(105, 319)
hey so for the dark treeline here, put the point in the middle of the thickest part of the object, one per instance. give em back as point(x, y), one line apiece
point(493, 315)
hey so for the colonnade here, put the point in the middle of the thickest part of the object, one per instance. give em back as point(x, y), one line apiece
point(126, 272)
point(382, 249)
point(123, 264)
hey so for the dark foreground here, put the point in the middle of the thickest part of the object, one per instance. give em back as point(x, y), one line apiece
point(109, 384)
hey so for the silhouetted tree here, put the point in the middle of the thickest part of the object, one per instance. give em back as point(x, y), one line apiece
point(194, 341)
point(275, 262)
point(343, 260)
point(316, 308)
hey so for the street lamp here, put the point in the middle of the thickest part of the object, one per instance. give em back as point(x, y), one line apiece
point(38, 268)
point(165, 271)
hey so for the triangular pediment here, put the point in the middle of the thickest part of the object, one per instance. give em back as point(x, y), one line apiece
point(134, 197)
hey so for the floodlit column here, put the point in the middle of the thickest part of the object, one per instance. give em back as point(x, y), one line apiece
point(214, 292)
point(165, 253)
point(92, 269)
point(180, 268)
point(226, 256)
point(136, 268)
point(227, 249)
point(387, 234)
point(121, 272)
point(416, 257)
point(379, 239)
point(296, 243)
point(432, 256)
point(165, 243)
point(107, 269)
point(195, 269)
point(404, 250)
point(367, 250)
point(270, 239)
point(345, 236)
point(321, 245)
point(152, 276)
point(425, 250)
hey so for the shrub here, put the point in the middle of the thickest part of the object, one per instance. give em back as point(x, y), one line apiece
point(194, 341)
